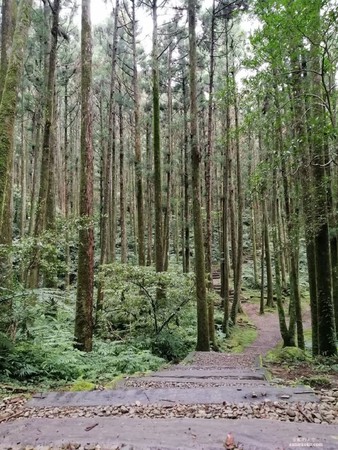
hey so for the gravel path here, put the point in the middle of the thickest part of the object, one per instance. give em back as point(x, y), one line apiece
point(268, 337)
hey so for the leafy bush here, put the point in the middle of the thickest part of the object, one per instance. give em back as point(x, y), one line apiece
point(133, 305)
point(317, 381)
point(31, 362)
point(287, 355)
point(114, 358)
point(134, 322)
point(171, 346)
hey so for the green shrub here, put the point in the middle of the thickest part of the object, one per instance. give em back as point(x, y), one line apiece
point(171, 346)
point(287, 355)
point(133, 306)
point(317, 381)
point(82, 385)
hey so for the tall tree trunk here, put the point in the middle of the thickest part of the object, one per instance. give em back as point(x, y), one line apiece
point(122, 187)
point(202, 310)
point(240, 202)
point(7, 123)
point(269, 281)
point(292, 232)
point(261, 302)
point(149, 195)
point(208, 182)
point(157, 147)
point(107, 238)
point(186, 220)
point(225, 265)
point(326, 325)
point(43, 212)
point(167, 206)
point(8, 17)
point(138, 155)
point(85, 274)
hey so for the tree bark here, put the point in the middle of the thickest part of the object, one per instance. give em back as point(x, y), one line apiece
point(202, 311)
point(208, 170)
point(157, 147)
point(85, 274)
point(138, 154)
point(8, 106)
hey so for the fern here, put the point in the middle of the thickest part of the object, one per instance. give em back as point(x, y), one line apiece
point(6, 345)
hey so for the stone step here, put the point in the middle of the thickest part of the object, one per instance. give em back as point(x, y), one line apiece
point(166, 434)
point(163, 396)
point(198, 372)
point(196, 380)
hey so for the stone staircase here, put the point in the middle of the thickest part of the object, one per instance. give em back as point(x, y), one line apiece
point(193, 405)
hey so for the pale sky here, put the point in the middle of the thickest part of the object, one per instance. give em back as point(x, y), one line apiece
point(100, 11)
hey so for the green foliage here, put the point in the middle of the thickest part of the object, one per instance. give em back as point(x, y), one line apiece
point(241, 336)
point(82, 385)
point(287, 355)
point(44, 352)
point(110, 359)
point(6, 348)
point(133, 305)
point(317, 381)
point(173, 346)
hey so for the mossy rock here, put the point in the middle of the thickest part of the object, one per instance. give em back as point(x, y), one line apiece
point(82, 385)
point(287, 355)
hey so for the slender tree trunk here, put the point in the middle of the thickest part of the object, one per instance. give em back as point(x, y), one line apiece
point(186, 250)
point(8, 16)
point(107, 238)
point(44, 211)
point(36, 154)
point(225, 265)
point(208, 181)
point(157, 147)
point(85, 275)
point(269, 281)
point(167, 206)
point(240, 204)
point(326, 325)
point(202, 311)
point(149, 195)
point(122, 189)
point(138, 155)
point(262, 303)
point(10, 88)
point(254, 241)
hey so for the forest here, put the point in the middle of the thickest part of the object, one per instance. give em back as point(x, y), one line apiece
point(157, 169)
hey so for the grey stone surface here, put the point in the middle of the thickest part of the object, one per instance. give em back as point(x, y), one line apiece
point(201, 380)
point(205, 395)
point(167, 434)
point(226, 373)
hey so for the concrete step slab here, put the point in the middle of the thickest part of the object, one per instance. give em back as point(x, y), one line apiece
point(201, 381)
point(166, 434)
point(186, 396)
point(226, 373)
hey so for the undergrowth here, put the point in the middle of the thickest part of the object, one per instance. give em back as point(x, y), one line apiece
point(134, 333)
